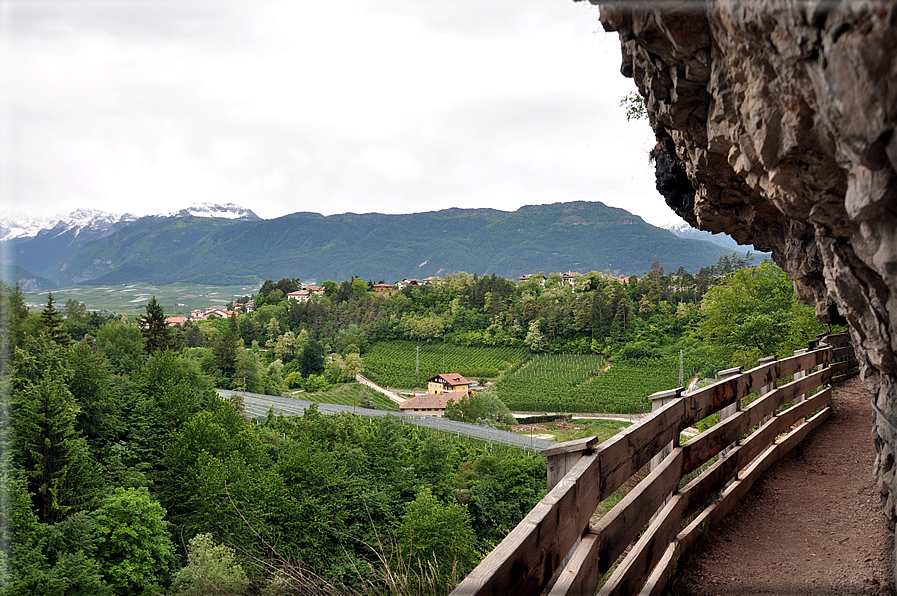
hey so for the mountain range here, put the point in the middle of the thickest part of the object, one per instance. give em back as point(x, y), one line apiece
point(226, 244)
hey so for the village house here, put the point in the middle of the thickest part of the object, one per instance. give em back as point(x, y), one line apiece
point(217, 312)
point(528, 277)
point(447, 383)
point(568, 277)
point(430, 404)
point(177, 320)
point(313, 290)
point(300, 295)
point(382, 287)
point(401, 285)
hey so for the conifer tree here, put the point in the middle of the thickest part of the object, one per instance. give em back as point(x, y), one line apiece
point(155, 329)
point(49, 448)
point(52, 320)
point(225, 354)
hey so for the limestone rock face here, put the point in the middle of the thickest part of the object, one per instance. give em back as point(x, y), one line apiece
point(775, 123)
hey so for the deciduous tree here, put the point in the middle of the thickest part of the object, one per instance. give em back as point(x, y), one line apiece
point(132, 540)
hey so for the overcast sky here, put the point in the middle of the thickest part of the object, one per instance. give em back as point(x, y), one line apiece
point(392, 106)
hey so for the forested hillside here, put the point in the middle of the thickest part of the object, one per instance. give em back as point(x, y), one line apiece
point(579, 236)
point(123, 472)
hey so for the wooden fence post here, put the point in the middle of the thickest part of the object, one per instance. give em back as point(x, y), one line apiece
point(658, 400)
point(731, 409)
point(800, 375)
point(563, 457)
point(767, 388)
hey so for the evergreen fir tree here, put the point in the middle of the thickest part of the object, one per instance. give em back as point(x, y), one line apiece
point(52, 320)
point(225, 355)
point(49, 448)
point(155, 329)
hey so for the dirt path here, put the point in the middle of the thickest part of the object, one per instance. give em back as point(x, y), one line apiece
point(811, 525)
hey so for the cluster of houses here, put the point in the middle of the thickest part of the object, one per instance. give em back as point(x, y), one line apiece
point(441, 390)
point(212, 312)
point(568, 278)
point(400, 285)
point(199, 314)
point(305, 292)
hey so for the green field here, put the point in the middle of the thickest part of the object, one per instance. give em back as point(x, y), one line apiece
point(132, 298)
point(392, 364)
point(354, 394)
point(575, 383)
point(580, 428)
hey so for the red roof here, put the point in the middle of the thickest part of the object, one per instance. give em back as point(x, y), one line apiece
point(431, 401)
point(454, 379)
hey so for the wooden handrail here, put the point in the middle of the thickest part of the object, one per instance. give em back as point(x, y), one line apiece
point(555, 543)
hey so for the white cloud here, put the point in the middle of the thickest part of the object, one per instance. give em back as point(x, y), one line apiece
point(357, 105)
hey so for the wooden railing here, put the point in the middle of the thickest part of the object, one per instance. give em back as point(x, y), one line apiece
point(555, 550)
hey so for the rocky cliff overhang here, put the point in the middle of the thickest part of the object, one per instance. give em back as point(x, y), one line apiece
point(775, 124)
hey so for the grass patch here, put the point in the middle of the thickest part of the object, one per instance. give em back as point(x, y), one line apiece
point(565, 430)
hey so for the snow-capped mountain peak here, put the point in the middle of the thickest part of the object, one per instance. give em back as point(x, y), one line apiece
point(684, 230)
point(219, 210)
point(19, 225)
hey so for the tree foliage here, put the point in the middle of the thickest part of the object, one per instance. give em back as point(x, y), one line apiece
point(484, 407)
point(754, 313)
point(133, 543)
point(155, 329)
point(212, 570)
point(633, 105)
point(439, 533)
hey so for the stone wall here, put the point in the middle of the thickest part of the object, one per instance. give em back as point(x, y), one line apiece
point(775, 124)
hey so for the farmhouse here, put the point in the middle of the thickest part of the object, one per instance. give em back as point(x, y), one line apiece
point(300, 295)
point(382, 287)
point(569, 277)
point(451, 382)
point(407, 282)
point(534, 276)
point(430, 404)
point(216, 311)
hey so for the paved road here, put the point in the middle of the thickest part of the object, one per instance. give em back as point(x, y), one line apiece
point(366, 381)
point(258, 405)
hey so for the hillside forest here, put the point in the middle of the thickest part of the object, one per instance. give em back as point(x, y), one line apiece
point(125, 473)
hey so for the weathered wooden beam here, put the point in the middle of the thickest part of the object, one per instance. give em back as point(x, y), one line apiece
point(607, 540)
point(576, 446)
point(845, 352)
point(626, 453)
point(563, 457)
point(710, 442)
point(836, 339)
point(840, 367)
point(525, 561)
